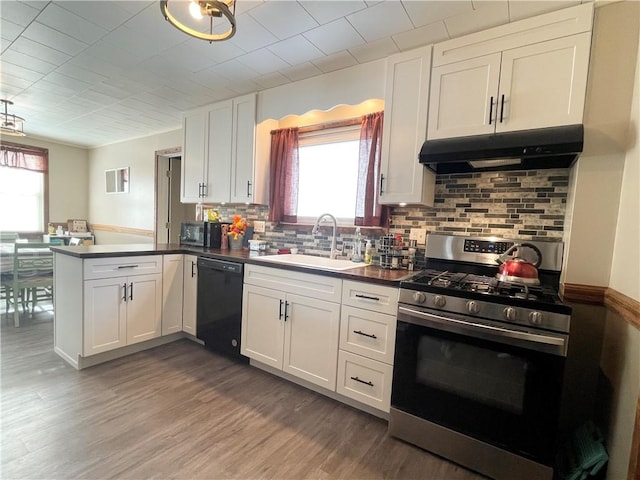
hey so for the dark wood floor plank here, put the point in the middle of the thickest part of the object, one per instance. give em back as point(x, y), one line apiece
point(179, 411)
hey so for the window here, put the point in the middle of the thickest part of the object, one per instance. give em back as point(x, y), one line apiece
point(23, 186)
point(327, 164)
point(328, 173)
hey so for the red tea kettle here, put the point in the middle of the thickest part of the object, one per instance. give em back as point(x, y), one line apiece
point(517, 269)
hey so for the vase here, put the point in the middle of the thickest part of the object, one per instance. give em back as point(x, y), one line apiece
point(235, 243)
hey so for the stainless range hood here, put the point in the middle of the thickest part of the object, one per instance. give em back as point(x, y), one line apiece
point(554, 147)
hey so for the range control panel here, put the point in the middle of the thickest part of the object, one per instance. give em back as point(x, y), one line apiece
point(485, 246)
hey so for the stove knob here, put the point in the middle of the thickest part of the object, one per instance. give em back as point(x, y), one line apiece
point(511, 314)
point(419, 297)
point(473, 307)
point(535, 318)
point(439, 301)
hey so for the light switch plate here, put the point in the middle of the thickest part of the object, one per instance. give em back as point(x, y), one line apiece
point(419, 235)
point(258, 226)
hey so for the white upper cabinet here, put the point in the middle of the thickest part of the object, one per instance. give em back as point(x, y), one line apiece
point(544, 84)
point(243, 181)
point(527, 74)
point(463, 96)
point(193, 157)
point(220, 127)
point(403, 179)
point(222, 137)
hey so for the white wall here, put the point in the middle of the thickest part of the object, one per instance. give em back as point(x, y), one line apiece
point(133, 210)
point(596, 178)
point(68, 175)
point(621, 350)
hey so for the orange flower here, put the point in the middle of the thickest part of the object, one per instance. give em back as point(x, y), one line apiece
point(238, 227)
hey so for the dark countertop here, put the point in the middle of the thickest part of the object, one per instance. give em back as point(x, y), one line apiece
point(369, 273)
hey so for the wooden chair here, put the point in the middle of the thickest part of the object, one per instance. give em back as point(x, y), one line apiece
point(32, 270)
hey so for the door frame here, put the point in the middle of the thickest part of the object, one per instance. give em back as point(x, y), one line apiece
point(160, 194)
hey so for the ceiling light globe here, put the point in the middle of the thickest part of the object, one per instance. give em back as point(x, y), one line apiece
point(194, 10)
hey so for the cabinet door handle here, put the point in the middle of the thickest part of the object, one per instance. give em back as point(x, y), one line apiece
point(370, 335)
point(280, 311)
point(248, 188)
point(381, 180)
point(359, 295)
point(124, 289)
point(490, 110)
point(501, 107)
point(199, 190)
point(131, 292)
point(193, 272)
point(127, 266)
point(362, 381)
point(204, 190)
point(286, 311)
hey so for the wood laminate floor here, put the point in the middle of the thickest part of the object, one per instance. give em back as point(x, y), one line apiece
point(180, 411)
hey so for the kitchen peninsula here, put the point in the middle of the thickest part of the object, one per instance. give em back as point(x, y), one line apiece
point(121, 299)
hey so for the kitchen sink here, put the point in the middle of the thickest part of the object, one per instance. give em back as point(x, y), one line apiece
point(311, 261)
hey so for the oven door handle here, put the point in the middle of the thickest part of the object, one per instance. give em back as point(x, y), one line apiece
point(535, 341)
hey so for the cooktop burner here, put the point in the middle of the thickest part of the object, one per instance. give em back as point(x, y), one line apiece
point(436, 280)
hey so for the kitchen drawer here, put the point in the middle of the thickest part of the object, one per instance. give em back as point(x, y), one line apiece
point(95, 268)
point(364, 380)
point(368, 333)
point(371, 296)
point(306, 284)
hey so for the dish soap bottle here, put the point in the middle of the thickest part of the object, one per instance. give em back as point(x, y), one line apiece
point(368, 253)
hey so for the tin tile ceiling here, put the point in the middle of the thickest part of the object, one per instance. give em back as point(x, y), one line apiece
point(91, 73)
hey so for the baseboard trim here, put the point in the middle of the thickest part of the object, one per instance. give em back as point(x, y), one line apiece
point(574, 292)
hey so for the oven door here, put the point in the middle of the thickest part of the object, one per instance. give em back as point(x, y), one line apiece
point(476, 377)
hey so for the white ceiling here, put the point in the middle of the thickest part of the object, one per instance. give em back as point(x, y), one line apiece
point(90, 73)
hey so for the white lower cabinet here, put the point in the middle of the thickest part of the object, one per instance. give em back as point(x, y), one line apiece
point(121, 300)
point(367, 343)
point(190, 294)
point(121, 311)
point(295, 333)
point(172, 280)
point(365, 380)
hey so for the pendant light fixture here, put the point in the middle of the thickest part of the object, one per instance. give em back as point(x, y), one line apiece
point(11, 124)
point(196, 18)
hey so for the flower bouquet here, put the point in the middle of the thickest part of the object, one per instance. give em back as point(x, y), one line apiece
point(237, 228)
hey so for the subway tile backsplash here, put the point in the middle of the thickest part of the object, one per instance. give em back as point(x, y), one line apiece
point(525, 205)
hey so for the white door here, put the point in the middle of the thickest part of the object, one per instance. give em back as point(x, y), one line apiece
point(190, 294)
point(244, 126)
point(404, 180)
point(544, 84)
point(172, 279)
point(262, 325)
point(311, 340)
point(218, 168)
point(105, 315)
point(144, 307)
point(464, 97)
point(193, 157)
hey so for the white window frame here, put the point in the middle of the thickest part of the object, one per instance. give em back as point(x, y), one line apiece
point(327, 136)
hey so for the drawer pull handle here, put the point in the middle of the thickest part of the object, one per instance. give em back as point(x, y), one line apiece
point(362, 381)
point(368, 297)
point(370, 335)
point(127, 266)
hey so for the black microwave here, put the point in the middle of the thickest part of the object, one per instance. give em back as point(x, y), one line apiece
point(193, 233)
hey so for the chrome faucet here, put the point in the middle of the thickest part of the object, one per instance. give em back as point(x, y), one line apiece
point(333, 238)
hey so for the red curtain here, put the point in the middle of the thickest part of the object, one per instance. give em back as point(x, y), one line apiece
point(24, 156)
point(284, 176)
point(368, 211)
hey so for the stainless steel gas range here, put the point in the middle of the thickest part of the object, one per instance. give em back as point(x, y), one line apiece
point(479, 364)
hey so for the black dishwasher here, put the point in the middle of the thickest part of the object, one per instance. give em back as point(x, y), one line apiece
point(219, 309)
